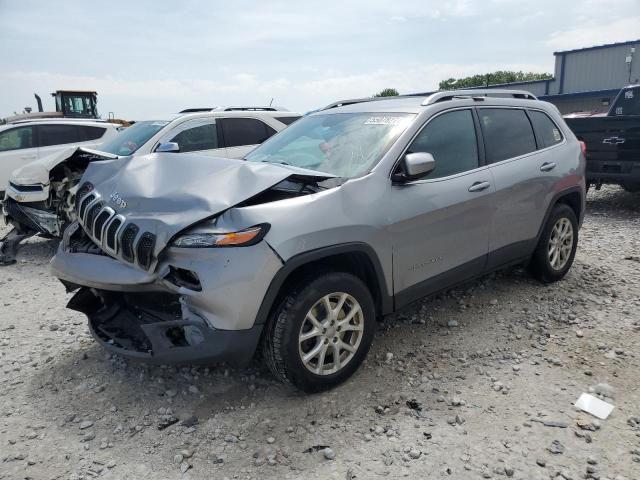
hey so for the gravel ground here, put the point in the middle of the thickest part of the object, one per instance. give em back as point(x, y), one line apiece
point(476, 383)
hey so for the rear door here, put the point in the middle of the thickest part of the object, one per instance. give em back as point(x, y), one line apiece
point(524, 174)
point(54, 138)
point(17, 148)
point(199, 135)
point(241, 135)
point(441, 223)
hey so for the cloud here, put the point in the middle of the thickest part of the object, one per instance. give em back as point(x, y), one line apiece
point(595, 33)
point(158, 98)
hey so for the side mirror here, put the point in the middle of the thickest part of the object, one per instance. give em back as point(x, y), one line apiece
point(168, 147)
point(415, 165)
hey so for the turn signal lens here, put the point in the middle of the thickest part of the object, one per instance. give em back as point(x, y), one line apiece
point(238, 238)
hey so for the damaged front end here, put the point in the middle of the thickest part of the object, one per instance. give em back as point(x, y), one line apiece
point(40, 198)
point(158, 278)
point(158, 327)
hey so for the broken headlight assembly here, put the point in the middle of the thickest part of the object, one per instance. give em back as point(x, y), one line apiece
point(242, 238)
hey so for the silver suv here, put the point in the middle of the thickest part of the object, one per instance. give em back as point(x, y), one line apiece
point(349, 214)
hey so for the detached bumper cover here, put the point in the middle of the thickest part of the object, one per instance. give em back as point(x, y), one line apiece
point(156, 327)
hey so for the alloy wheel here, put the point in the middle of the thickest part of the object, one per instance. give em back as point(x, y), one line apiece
point(560, 243)
point(331, 333)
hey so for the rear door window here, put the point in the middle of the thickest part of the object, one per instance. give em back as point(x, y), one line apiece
point(16, 139)
point(245, 131)
point(507, 133)
point(548, 132)
point(451, 139)
point(58, 135)
point(201, 137)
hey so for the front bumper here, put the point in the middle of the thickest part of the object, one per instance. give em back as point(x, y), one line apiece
point(219, 291)
point(156, 328)
point(30, 216)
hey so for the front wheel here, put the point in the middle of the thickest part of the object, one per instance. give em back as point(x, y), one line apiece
point(320, 333)
point(556, 248)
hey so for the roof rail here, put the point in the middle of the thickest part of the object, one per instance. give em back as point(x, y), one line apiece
point(55, 120)
point(245, 109)
point(353, 101)
point(477, 93)
point(197, 109)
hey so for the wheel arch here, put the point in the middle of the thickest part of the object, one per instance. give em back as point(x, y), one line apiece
point(357, 258)
point(572, 197)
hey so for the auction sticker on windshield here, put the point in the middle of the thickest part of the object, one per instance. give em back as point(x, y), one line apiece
point(384, 120)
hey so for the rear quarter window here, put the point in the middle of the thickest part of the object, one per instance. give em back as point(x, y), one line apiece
point(91, 133)
point(287, 120)
point(547, 131)
point(507, 133)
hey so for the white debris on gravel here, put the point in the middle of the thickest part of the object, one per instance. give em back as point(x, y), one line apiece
point(477, 382)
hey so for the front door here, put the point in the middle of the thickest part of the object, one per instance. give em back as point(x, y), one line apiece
point(441, 223)
point(199, 135)
point(17, 148)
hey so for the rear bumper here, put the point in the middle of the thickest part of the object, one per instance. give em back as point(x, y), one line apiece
point(157, 328)
point(612, 171)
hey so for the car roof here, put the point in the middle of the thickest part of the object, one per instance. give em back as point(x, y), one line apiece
point(240, 113)
point(416, 103)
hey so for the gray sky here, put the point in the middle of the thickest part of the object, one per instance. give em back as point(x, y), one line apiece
point(148, 59)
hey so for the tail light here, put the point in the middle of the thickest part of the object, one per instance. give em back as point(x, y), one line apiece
point(583, 148)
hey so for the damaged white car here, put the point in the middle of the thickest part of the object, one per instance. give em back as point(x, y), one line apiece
point(40, 197)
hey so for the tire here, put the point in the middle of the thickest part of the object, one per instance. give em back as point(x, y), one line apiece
point(281, 344)
point(542, 262)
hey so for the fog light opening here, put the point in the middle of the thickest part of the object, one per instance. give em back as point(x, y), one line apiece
point(184, 336)
point(184, 278)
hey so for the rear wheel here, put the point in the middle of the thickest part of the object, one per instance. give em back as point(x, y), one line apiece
point(556, 248)
point(321, 332)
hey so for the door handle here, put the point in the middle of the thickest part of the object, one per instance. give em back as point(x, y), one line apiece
point(547, 166)
point(479, 186)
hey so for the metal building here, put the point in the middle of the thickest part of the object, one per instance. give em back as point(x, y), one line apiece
point(587, 79)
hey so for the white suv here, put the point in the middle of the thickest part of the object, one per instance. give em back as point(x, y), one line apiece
point(25, 141)
point(40, 197)
point(230, 132)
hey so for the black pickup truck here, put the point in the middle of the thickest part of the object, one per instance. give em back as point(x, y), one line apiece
point(612, 141)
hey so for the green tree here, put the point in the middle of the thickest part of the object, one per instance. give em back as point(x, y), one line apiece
point(493, 78)
point(387, 92)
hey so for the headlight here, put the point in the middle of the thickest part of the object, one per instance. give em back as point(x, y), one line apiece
point(243, 238)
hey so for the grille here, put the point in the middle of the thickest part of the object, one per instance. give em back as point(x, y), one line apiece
point(145, 249)
point(126, 242)
point(83, 205)
point(92, 213)
point(100, 221)
point(26, 188)
point(85, 188)
point(111, 233)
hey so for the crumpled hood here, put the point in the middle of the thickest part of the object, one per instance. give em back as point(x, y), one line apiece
point(37, 172)
point(164, 193)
